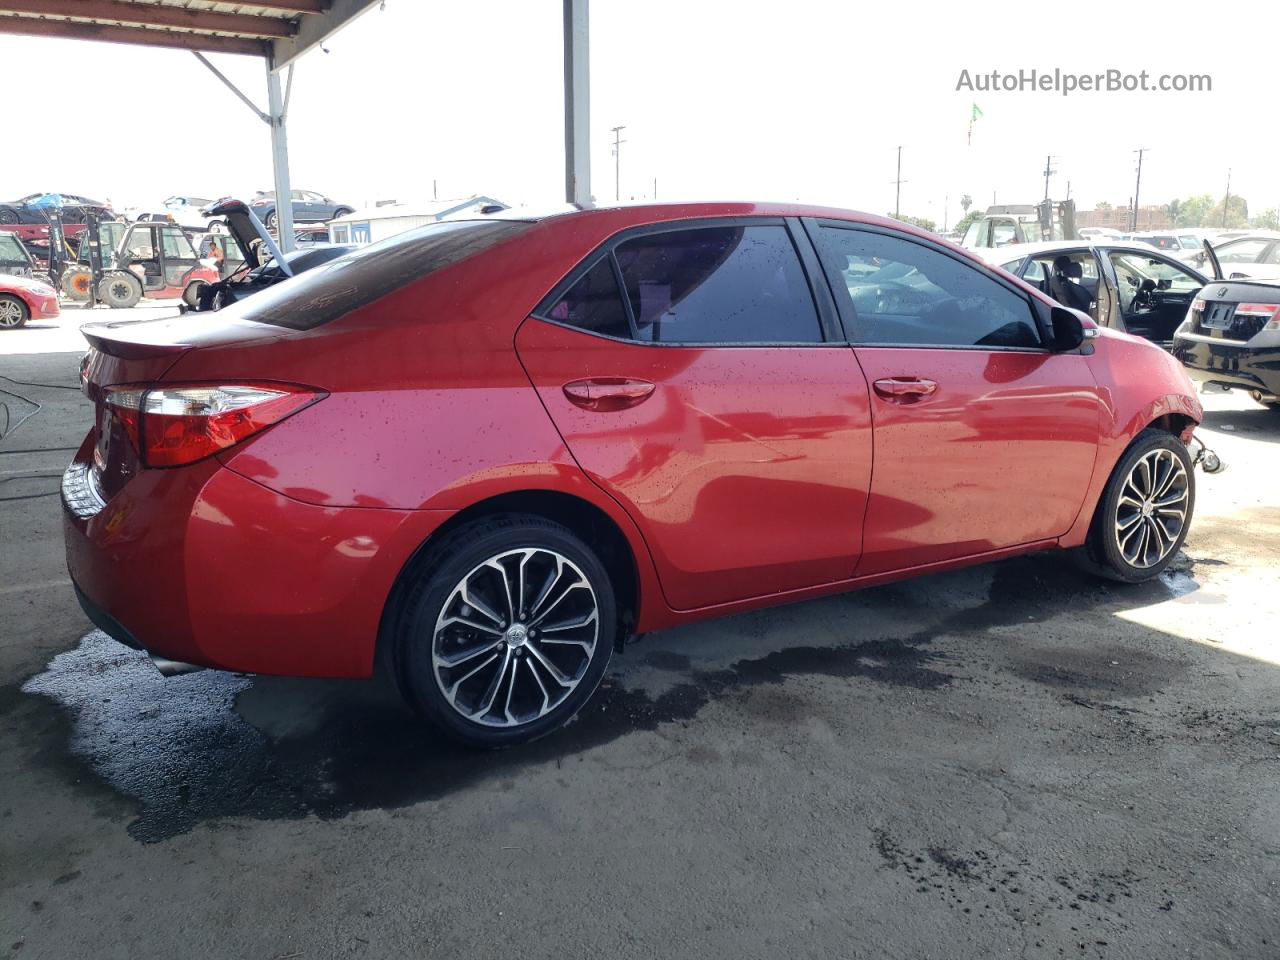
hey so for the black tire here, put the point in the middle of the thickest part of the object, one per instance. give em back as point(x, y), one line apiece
point(77, 281)
point(191, 295)
point(9, 215)
point(430, 595)
point(341, 212)
point(1107, 552)
point(120, 290)
point(13, 312)
point(272, 221)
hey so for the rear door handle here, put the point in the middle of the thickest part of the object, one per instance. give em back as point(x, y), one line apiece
point(905, 389)
point(608, 393)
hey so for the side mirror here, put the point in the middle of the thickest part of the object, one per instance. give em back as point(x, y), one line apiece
point(1070, 328)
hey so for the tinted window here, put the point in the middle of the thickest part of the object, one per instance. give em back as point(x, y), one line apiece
point(594, 303)
point(736, 284)
point(906, 293)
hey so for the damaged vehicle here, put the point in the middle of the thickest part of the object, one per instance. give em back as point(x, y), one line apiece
point(486, 452)
point(1230, 338)
point(1121, 285)
point(261, 263)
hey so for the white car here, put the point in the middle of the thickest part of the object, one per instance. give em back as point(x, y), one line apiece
point(1254, 256)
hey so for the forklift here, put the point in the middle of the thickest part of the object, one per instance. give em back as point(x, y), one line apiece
point(118, 264)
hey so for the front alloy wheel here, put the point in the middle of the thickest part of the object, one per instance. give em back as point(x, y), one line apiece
point(1152, 509)
point(1144, 512)
point(504, 631)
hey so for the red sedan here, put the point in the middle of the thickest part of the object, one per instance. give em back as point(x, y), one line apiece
point(488, 451)
point(23, 299)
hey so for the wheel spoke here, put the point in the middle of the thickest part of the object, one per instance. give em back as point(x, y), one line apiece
point(512, 612)
point(556, 674)
point(460, 658)
point(471, 600)
point(472, 624)
point(574, 625)
point(492, 693)
point(453, 690)
point(546, 697)
point(1143, 478)
point(552, 579)
point(580, 585)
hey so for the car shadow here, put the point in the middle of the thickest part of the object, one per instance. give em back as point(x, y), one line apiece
point(209, 745)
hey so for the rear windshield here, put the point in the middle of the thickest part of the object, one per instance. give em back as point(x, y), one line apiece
point(331, 290)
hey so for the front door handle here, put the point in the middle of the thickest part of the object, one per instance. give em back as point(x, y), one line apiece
point(905, 389)
point(608, 393)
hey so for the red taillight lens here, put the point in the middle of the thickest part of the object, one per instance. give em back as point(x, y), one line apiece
point(1269, 311)
point(172, 426)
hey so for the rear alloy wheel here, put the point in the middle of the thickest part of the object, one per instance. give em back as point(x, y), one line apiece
point(13, 312)
point(120, 290)
point(1145, 509)
point(509, 634)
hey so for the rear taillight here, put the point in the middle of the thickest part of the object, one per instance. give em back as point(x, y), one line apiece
point(172, 426)
point(1268, 311)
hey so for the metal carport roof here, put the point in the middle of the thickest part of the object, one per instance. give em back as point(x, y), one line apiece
point(279, 31)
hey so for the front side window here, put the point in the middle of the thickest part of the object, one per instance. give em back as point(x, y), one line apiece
point(1241, 251)
point(1004, 233)
point(175, 244)
point(10, 249)
point(905, 293)
point(1133, 269)
point(723, 284)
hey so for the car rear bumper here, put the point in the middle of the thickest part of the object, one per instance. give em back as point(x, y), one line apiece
point(1235, 365)
point(204, 566)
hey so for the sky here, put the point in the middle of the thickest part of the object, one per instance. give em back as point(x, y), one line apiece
point(803, 100)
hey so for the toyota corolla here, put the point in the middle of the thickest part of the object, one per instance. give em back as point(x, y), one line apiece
point(487, 452)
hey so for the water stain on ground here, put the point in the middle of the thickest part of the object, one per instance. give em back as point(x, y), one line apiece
point(182, 752)
point(211, 745)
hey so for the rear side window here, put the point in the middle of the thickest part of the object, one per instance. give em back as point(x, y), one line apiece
point(594, 304)
point(725, 284)
point(324, 293)
point(905, 293)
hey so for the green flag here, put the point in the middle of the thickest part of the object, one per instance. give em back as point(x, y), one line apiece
point(976, 113)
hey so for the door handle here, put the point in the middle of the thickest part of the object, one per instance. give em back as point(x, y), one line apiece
point(905, 389)
point(608, 393)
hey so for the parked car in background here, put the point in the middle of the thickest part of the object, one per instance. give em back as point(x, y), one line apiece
point(311, 235)
point(16, 260)
point(1231, 335)
point(26, 210)
point(1096, 233)
point(258, 261)
point(1121, 285)
point(488, 451)
point(1253, 255)
point(308, 206)
point(1170, 242)
point(23, 299)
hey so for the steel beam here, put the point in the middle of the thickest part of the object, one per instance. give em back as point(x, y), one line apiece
point(139, 36)
point(280, 159)
point(577, 103)
point(155, 15)
point(313, 31)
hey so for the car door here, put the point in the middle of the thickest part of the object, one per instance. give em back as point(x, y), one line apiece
point(984, 439)
point(179, 256)
point(697, 374)
point(1153, 291)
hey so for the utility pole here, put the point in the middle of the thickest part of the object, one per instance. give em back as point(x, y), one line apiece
point(1226, 200)
point(946, 202)
point(617, 162)
point(1133, 220)
point(655, 188)
point(1048, 172)
point(897, 196)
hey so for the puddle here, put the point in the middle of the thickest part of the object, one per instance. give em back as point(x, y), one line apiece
point(184, 752)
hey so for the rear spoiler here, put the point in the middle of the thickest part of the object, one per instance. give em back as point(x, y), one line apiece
point(134, 339)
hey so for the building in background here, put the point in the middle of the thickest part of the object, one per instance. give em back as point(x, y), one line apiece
point(380, 222)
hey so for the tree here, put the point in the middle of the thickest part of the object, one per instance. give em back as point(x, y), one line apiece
point(921, 222)
point(1237, 214)
point(966, 202)
point(965, 221)
point(1194, 211)
point(1268, 220)
point(1104, 207)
